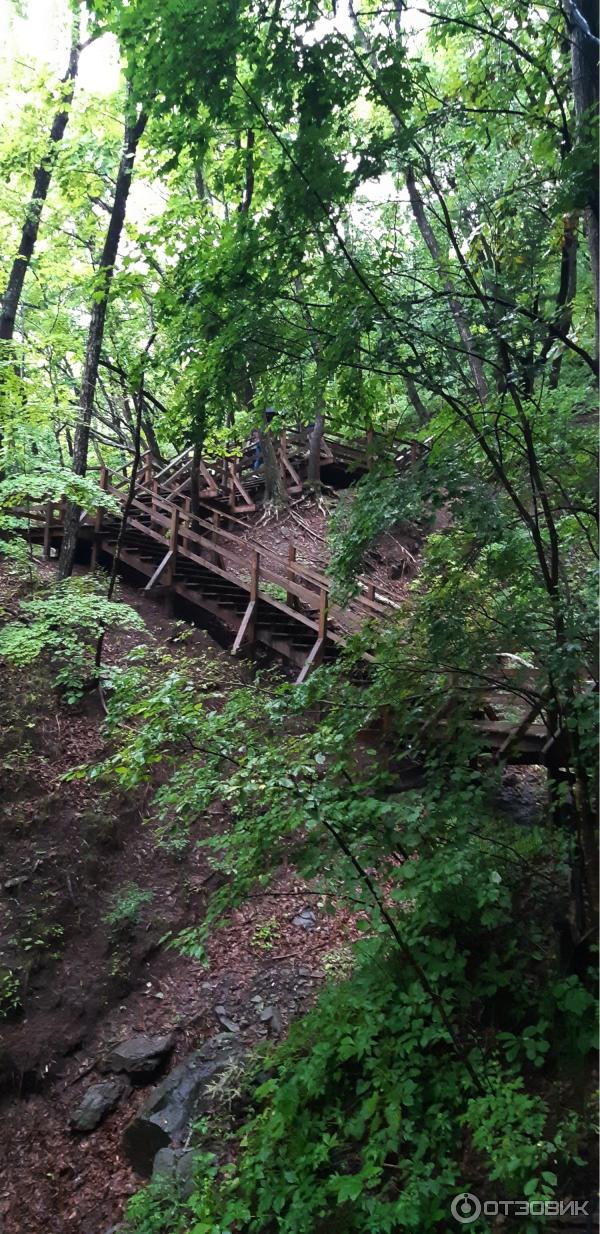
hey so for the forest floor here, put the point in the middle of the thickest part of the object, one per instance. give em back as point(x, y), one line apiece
point(390, 564)
point(69, 851)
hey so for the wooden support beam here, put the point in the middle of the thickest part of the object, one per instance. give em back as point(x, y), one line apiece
point(254, 575)
point(216, 519)
point(247, 630)
point(99, 519)
point(187, 507)
point(173, 539)
point(292, 600)
point(312, 661)
point(370, 440)
point(323, 600)
point(315, 655)
point(48, 528)
point(160, 569)
point(521, 729)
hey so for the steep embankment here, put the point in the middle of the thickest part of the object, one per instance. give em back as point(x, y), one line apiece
point(86, 900)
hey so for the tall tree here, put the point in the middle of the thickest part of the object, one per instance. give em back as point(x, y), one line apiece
point(133, 132)
point(582, 25)
point(41, 184)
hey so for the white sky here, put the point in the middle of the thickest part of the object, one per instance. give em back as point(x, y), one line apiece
point(42, 37)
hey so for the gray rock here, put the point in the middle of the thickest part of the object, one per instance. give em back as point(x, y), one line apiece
point(139, 1056)
point(306, 919)
point(98, 1101)
point(225, 1021)
point(271, 1017)
point(177, 1165)
point(164, 1119)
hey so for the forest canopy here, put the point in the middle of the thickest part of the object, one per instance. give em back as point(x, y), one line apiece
point(229, 221)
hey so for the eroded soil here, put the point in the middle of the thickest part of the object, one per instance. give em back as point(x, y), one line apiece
point(67, 849)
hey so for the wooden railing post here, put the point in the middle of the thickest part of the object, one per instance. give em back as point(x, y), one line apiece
point(323, 602)
point(315, 655)
point(187, 506)
point(370, 436)
point(254, 575)
point(370, 591)
point(291, 598)
point(216, 521)
point(148, 468)
point(104, 485)
point(173, 538)
point(231, 485)
point(48, 529)
point(153, 500)
point(247, 632)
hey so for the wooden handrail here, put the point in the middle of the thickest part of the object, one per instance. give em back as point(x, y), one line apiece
point(273, 568)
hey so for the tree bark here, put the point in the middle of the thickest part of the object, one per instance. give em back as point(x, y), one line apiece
point(133, 133)
point(314, 452)
point(275, 490)
point(316, 437)
point(567, 287)
point(41, 184)
point(195, 479)
point(423, 415)
point(429, 237)
point(582, 24)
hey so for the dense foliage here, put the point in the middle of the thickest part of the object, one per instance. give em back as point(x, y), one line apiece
point(387, 219)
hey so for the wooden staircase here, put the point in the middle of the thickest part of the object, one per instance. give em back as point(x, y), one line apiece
point(256, 595)
point(261, 598)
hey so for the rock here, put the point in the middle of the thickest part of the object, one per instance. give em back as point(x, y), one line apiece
point(306, 919)
point(14, 884)
point(138, 1056)
point(98, 1101)
point(177, 1165)
point(164, 1118)
point(225, 1021)
point(271, 1017)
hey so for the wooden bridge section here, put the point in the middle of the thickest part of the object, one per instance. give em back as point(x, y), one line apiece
point(256, 594)
point(261, 597)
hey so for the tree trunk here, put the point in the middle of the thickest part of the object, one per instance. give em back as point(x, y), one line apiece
point(316, 437)
point(567, 287)
point(133, 132)
point(423, 415)
point(195, 479)
point(137, 450)
point(429, 237)
point(582, 25)
point(275, 489)
point(41, 184)
point(150, 435)
point(314, 452)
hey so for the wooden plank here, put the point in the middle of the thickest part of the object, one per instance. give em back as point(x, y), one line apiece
point(291, 598)
point(48, 529)
point(312, 661)
point(173, 463)
point(520, 730)
point(173, 541)
point(160, 569)
point(247, 628)
point(323, 599)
